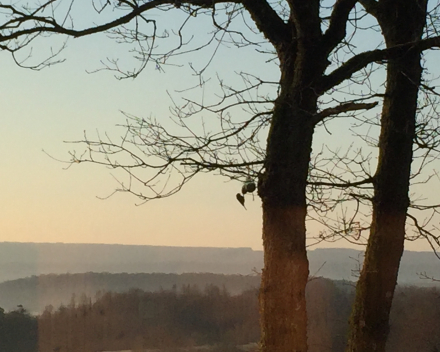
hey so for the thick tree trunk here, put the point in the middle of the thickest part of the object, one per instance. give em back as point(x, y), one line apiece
point(401, 22)
point(282, 188)
point(282, 295)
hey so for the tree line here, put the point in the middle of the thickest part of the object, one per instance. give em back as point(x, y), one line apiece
point(36, 292)
point(18, 331)
point(190, 316)
point(325, 71)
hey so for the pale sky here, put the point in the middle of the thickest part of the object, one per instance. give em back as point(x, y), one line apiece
point(42, 202)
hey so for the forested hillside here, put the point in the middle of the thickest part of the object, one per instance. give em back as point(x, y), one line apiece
point(36, 292)
point(191, 316)
point(21, 260)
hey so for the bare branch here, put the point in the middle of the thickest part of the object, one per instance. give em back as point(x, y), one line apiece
point(341, 109)
point(356, 63)
point(338, 22)
point(49, 25)
point(345, 184)
point(371, 6)
point(268, 22)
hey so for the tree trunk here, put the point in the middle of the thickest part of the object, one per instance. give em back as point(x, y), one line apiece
point(282, 295)
point(282, 189)
point(401, 22)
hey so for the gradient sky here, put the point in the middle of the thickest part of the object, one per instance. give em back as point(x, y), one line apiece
point(42, 202)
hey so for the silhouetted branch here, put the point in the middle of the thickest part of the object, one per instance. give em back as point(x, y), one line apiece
point(351, 106)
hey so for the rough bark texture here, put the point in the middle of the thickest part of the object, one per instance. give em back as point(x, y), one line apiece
point(302, 51)
point(401, 22)
point(283, 186)
point(283, 308)
point(282, 295)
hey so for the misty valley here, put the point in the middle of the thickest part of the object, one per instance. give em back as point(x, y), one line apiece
point(177, 310)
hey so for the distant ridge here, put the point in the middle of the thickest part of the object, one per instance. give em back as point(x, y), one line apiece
point(20, 260)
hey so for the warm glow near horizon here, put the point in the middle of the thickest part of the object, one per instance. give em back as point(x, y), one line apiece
point(42, 202)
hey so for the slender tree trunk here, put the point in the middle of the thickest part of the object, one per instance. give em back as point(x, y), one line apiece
point(401, 22)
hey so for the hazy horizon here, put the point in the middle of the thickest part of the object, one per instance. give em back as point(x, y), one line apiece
point(311, 248)
point(42, 201)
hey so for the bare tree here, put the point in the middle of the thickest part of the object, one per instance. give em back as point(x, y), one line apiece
point(400, 24)
point(307, 38)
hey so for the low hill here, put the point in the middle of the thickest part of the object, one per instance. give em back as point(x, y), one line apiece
point(36, 292)
point(20, 260)
point(34, 274)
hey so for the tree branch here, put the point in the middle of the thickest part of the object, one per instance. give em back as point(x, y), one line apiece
point(371, 6)
point(338, 23)
point(305, 16)
point(360, 61)
point(268, 21)
point(346, 184)
point(342, 108)
point(49, 24)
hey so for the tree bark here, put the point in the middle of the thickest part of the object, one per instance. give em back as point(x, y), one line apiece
point(286, 268)
point(282, 295)
point(283, 192)
point(282, 188)
point(303, 52)
point(401, 22)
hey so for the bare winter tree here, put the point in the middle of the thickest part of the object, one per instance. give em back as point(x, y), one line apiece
point(307, 40)
point(400, 23)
